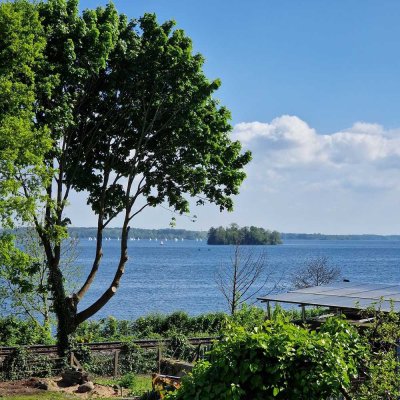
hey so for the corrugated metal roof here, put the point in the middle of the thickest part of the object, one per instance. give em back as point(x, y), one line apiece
point(386, 297)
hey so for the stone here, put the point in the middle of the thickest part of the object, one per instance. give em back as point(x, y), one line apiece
point(73, 377)
point(85, 387)
point(38, 384)
point(176, 368)
point(43, 385)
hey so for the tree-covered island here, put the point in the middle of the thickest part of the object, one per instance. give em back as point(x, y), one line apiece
point(245, 235)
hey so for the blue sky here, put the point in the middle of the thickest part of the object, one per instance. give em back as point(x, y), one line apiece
point(314, 91)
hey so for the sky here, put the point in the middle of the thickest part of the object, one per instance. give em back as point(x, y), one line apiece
point(314, 91)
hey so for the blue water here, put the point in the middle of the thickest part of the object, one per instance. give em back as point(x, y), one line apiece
point(180, 275)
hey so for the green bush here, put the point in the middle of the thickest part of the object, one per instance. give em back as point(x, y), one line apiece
point(18, 332)
point(210, 323)
point(127, 381)
point(248, 316)
point(151, 326)
point(136, 360)
point(21, 363)
point(278, 360)
point(179, 347)
point(383, 367)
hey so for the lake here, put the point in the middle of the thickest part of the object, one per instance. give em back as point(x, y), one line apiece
point(180, 275)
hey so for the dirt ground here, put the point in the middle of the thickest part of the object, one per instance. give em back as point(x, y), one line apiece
point(28, 387)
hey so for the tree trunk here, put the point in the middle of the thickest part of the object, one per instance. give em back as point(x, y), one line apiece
point(64, 308)
point(112, 289)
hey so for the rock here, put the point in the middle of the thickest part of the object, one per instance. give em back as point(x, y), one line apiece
point(177, 368)
point(38, 384)
point(85, 387)
point(43, 385)
point(73, 377)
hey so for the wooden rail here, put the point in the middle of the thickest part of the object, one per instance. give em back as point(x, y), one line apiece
point(110, 346)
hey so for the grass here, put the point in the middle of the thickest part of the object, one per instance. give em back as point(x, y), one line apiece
point(137, 384)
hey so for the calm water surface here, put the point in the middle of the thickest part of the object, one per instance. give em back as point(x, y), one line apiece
point(180, 275)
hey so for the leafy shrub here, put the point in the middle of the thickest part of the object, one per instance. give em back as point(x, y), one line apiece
point(151, 326)
point(179, 347)
point(278, 360)
point(136, 360)
point(127, 381)
point(383, 367)
point(159, 325)
point(16, 332)
point(178, 321)
point(211, 323)
point(249, 316)
point(88, 331)
point(21, 364)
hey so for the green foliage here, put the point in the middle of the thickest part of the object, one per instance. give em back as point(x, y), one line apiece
point(22, 144)
point(136, 360)
point(132, 360)
point(17, 332)
point(138, 385)
point(86, 96)
point(246, 235)
point(21, 363)
point(277, 361)
point(127, 381)
point(249, 316)
point(10, 257)
point(151, 326)
point(382, 379)
point(25, 288)
point(295, 314)
point(179, 347)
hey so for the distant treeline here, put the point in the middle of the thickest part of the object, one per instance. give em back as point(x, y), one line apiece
point(246, 235)
point(135, 233)
point(320, 236)
point(256, 235)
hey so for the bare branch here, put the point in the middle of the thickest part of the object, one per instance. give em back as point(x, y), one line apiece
point(315, 272)
point(237, 281)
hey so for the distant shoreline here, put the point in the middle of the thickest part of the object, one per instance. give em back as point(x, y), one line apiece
point(172, 233)
point(320, 236)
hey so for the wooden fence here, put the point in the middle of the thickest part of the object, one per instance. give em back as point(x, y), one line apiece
point(107, 352)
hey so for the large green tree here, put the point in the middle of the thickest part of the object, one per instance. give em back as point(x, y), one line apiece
point(118, 109)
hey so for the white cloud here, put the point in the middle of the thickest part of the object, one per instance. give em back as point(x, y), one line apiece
point(303, 181)
point(288, 151)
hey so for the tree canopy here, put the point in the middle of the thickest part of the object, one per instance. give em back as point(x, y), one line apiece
point(117, 108)
point(233, 234)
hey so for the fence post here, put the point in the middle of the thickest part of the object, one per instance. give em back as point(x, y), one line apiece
point(269, 309)
point(159, 358)
point(397, 349)
point(74, 363)
point(116, 359)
